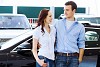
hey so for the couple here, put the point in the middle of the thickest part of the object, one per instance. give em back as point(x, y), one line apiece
point(69, 35)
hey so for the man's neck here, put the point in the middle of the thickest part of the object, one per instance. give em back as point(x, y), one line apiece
point(70, 18)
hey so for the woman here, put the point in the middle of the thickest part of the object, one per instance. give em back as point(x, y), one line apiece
point(44, 34)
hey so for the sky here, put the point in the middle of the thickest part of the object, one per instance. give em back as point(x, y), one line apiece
point(43, 2)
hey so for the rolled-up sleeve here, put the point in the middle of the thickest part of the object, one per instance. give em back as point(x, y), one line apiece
point(81, 39)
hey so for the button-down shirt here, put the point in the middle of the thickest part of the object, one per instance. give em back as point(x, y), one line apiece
point(46, 40)
point(69, 40)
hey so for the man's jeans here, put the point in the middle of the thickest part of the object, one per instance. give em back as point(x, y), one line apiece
point(46, 60)
point(66, 61)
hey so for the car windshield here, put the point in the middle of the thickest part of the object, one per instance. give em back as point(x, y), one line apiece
point(95, 20)
point(16, 22)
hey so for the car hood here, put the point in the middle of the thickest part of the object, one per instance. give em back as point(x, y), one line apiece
point(14, 42)
point(11, 33)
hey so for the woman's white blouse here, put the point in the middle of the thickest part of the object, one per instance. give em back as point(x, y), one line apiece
point(46, 40)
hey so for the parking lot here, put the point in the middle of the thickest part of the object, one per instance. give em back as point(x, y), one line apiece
point(18, 20)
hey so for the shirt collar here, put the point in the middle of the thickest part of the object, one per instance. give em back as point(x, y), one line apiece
point(64, 19)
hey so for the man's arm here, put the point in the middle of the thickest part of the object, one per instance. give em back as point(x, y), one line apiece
point(81, 44)
point(81, 53)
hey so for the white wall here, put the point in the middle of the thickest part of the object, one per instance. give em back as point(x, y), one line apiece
point(93, 5)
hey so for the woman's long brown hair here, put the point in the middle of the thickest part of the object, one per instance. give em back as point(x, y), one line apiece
point(42, 15)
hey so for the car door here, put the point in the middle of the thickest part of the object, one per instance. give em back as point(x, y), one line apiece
point(3, 59)
point(21, 56)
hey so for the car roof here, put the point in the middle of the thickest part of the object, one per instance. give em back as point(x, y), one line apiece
point(85, 16)
point(10, 14)
point(82, 15)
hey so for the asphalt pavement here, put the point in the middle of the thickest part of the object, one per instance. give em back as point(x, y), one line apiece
point(89, 61)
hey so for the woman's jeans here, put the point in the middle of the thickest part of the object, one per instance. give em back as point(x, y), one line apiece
point(49, 62)
point(66, 61)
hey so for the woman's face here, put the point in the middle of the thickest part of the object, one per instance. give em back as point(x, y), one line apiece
point(49, 18)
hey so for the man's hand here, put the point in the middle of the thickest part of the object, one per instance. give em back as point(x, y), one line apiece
point(80, 60)
point(38, 45)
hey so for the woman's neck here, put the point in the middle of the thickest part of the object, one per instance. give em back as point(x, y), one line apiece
point(46, 25)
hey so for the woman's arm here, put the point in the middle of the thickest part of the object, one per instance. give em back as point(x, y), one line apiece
point(34, 51)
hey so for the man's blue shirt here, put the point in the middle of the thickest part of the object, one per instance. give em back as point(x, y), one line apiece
point(69, 40)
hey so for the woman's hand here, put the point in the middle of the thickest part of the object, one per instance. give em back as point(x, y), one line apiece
point(41, 63)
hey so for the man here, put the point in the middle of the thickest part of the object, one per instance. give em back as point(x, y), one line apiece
point(70, 42)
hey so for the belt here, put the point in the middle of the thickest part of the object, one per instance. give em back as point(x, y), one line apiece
point(67, 54)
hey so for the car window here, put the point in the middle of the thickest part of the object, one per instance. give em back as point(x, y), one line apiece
point(24, 45)
point(13, 22)
point(98, 20)
point(91, 19)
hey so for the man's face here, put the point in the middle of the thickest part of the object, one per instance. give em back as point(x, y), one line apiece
point(68, 11)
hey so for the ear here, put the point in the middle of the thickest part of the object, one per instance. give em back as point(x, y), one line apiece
point(74, 10)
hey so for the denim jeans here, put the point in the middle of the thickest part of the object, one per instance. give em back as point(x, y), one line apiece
point(46, 60)
point(66, 61)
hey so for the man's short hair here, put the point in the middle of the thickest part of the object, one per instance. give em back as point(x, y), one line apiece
point(73, 4)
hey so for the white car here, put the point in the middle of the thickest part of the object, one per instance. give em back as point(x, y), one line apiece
point(13, 25)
